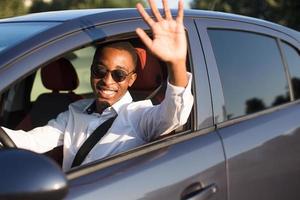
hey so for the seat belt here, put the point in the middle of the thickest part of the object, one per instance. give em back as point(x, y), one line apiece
point(92, 140)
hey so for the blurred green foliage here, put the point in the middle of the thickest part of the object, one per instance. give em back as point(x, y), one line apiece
point(40, 5)
point(11, 8)
point(285, 12)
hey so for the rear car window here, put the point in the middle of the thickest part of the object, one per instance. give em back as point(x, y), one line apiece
point(251, 71)
point(81, 60)
point(13, 33)
point(293, 61)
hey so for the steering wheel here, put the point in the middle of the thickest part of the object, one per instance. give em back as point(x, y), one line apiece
point(6, 140)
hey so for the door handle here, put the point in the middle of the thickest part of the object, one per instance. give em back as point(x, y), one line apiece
point(197, 192)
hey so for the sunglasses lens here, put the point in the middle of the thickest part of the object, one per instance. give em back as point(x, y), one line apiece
point(99, 72)
point(119, 75)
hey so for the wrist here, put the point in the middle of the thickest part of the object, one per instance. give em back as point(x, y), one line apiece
point(178, 73)
point(177, 64)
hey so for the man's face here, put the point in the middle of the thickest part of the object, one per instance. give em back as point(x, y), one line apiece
point(107, 90)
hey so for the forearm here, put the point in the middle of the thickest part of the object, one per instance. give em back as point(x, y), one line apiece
point(177, 73)
point(40, 139)
point(170, 114)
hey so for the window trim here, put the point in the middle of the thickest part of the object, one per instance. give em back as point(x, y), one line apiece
point(284, 57)
point(257, 114)
point(286, 69)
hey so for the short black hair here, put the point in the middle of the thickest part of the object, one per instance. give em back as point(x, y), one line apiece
point(123, 45)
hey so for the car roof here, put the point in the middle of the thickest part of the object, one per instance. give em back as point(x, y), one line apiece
point(105, 15)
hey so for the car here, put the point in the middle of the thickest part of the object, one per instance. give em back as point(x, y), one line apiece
point(241, 140)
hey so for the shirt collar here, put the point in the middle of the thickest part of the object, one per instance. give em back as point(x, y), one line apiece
point(126, 99)
point(91, 107)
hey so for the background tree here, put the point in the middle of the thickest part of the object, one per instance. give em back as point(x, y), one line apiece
point(40, 5)
point(285, 12)
point(11, 8)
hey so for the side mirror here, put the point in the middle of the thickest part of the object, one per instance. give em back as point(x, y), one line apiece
point(28, 175)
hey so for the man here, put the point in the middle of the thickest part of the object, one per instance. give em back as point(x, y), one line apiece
point(112, 72)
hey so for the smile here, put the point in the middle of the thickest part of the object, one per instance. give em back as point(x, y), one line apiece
point(107, 93)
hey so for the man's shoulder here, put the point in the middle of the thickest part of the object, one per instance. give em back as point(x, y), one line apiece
point(81, 104)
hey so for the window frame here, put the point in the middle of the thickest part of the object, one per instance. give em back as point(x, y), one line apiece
point(51, 50)
point(122, 30)
point(281, 65)
point(203, 25)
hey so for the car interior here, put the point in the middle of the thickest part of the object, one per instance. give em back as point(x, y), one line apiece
point(41, 96)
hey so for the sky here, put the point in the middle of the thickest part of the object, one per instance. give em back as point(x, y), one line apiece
point(173, 3)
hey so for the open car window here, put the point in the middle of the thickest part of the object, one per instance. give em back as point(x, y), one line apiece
point(31, 102)
point(81, 59)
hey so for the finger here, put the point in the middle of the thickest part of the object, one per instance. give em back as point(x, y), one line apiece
point(155, 10)
point(167, 10)
point(180, 13)
point(144, 14)
point(144, 37)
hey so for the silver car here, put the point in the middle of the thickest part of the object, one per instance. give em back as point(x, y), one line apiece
point(242, 140)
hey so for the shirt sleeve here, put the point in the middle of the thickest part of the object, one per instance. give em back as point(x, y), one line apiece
point(172, 113)
point(40, 139)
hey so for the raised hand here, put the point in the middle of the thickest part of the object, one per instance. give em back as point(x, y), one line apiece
point(169, 41)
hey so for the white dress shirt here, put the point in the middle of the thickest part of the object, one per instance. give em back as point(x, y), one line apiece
point(136, 124)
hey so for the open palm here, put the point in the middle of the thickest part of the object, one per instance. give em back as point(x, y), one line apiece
point(169, 39)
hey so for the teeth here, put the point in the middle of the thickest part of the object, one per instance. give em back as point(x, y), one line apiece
point(108, 92)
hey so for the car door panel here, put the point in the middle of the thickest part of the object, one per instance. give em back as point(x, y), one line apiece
point(162, 174)
point(263, 156)
point(189, 163)
point(261, 149)
point(186, 164)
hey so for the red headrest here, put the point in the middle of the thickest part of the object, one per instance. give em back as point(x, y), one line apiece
point(149, 72)
point(60, 75)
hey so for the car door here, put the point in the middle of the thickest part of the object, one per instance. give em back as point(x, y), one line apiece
point(257, 115)
point(189, 164)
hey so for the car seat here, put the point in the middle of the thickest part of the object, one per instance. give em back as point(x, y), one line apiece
point(151, 82)
point(61, 78)
point(151, 78)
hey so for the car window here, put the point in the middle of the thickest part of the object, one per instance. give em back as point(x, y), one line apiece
point(293, 61)
point(251, 71)
point(81, 60)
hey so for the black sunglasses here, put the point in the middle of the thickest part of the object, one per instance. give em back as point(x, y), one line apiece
point(118, 75)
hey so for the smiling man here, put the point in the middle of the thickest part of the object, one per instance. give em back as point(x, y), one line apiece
point(112, 72)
